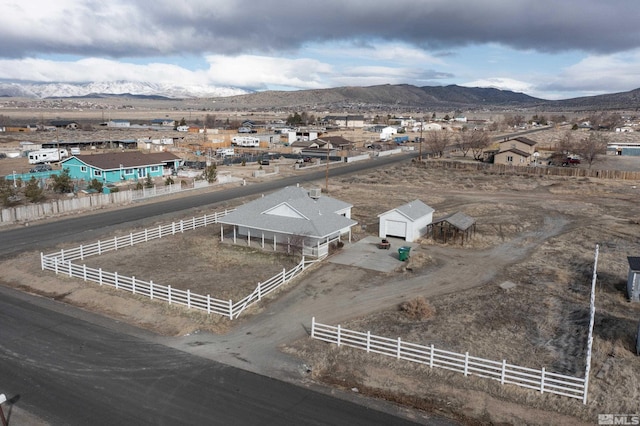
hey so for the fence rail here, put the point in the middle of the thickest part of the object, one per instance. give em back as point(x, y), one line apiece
point(536, 171)
point(61, 263)
point(539, 380)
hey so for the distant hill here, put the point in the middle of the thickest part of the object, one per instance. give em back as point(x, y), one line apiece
point(351, 98)
point(383, 96)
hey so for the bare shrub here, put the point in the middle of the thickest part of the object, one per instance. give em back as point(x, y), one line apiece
point(418, 309)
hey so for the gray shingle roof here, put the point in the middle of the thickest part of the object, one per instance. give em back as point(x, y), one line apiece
point(413, 210)
point(292, 211)
point(114, 160)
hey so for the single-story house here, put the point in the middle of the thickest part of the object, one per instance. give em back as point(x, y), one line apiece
point(337, 142)
point(349, 121)
point(408, 221)
point(633, 280)
point(291, 216)
point(120, 166)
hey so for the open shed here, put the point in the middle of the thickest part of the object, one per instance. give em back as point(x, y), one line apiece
point(633, 281)
point(452, 227)
point(408, 221)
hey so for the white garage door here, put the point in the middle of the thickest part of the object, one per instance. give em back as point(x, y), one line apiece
point(396, 228)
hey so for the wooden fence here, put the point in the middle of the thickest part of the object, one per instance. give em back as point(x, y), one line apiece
point(539, 380)
point(504, 169)
point(61, 263)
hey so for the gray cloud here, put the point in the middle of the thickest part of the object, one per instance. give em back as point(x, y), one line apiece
point(139, 28)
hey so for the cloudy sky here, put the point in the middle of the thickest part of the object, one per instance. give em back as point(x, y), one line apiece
point(553, 49)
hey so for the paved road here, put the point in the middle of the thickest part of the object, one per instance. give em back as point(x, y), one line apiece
point(73, 368)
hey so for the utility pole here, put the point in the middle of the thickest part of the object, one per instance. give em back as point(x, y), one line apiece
point(326, 179)
point(421, 127)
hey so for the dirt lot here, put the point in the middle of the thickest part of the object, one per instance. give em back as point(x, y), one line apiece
point(537, 233)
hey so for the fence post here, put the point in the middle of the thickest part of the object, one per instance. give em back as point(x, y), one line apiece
point(188, 298)
point(193, 222)
point(116, 279)
point(284, 275)
point(181, 226)
point(542, 380)
point(133, 285)
point(55, 265)
point(502, 373)
point(150, 290)
point(84, 271)
point(42, 260)
point(69, 268)
point(100, 275)
point(115, 243)
point(81, 252)
point(313, 327)
point(338, 335)
point(259, 290)
point(431, 358)
point(99, 248)
point(368, 340)
point(208, 303)
point(399, 349)
point(169, 293)
point(131, 238)
point(62, 254)
point(466, 363)
point(146, 235)
point(230, 309)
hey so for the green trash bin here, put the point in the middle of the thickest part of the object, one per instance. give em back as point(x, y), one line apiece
point(403, 253)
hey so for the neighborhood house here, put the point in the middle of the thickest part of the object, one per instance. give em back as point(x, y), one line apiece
point(121, 166)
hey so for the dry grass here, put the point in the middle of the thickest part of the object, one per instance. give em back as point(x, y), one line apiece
point(417, 309)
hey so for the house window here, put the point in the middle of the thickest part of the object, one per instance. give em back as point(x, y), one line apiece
point(509, 158)
point(97, 173)
point(83, 169)
point(128, 171)
point(154, 169)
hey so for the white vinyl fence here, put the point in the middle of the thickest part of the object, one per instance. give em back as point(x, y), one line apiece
point(539, 380)
point(61, 263)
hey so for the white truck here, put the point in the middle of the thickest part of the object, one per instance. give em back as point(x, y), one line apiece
point(245, 141)
point(47, 155)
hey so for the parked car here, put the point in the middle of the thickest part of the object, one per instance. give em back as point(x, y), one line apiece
point(571, 161)
point(41, 168)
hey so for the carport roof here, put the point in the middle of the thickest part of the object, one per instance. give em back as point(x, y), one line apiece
point(457, 219)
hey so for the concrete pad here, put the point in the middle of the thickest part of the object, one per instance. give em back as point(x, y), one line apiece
point(366, 254)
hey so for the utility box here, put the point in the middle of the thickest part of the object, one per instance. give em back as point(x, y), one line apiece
point(403, 253)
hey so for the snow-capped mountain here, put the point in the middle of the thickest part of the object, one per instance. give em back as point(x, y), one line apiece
point(67, 90)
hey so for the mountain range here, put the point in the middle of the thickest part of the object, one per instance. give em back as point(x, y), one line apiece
point(400, 96)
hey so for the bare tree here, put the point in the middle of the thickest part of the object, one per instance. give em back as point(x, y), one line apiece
point(565, 148)
point(210, 121)
point(464, 140)
point(437, 141)
point(479, 142)
point(590, 148)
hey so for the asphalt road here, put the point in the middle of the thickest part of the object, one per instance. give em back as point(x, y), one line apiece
point(73, 368)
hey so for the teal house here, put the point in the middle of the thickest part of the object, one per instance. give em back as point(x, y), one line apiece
point(121, 166)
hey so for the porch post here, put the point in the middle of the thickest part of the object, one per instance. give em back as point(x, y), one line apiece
point(221, 233)
point(234, 234)
point(248, 237)
point(274, 242)
point(263, 240)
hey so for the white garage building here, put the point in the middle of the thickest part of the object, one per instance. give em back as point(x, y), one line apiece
point(409, 221)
